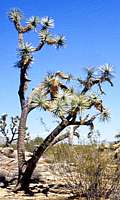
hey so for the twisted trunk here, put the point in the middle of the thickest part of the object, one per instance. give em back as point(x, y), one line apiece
point(25, 177)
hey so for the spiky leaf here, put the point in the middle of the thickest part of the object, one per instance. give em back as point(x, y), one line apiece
point(47, 22)
point(60, 41)
point(15, 15)
point(34, 21)
point(39, 100)
point(107, 70)
point(105, 115)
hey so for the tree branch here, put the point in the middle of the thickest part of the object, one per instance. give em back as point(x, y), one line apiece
point(22, 29)
point(89, 83)
point(86, 122)
point(39, 47)
point(66, 135)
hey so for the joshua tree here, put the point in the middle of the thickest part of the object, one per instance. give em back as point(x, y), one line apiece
point(10, 131)
point(70, 106)
point(10, 134)
point(54, 94)
point(25, 53)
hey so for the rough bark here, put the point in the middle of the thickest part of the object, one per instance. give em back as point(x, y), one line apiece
point(21, 140)
point(24, 179)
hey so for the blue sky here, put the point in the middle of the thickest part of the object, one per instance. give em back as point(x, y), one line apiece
point(92, 31)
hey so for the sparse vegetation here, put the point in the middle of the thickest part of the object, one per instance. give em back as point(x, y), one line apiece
point(89, 170)
point(70, 105)
point(33, 143)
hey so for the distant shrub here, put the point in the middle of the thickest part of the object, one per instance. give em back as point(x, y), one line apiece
point(32, 144)
point(88, 171)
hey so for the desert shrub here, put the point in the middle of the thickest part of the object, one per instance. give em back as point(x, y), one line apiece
point(87, 170)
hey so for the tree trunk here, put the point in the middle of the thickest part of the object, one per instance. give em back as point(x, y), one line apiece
point(70, 137)
point(21, 141)
point(24, 181)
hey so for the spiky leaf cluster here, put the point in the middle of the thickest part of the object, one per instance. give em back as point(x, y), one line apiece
point(105, 115)
point(90, 71)
point(63, 100)
point(33, 21)
point(47, 22)
point(79, 102)
point(25, 50)
point(107, 70)
point(96, 77)
point(39, 100)
point(25, 54)
point(60, 41)
point(15, 15)
point(43, 31)
point(44, 35)
point(59, 106)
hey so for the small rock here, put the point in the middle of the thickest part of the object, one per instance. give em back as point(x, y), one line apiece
point(7, 151)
